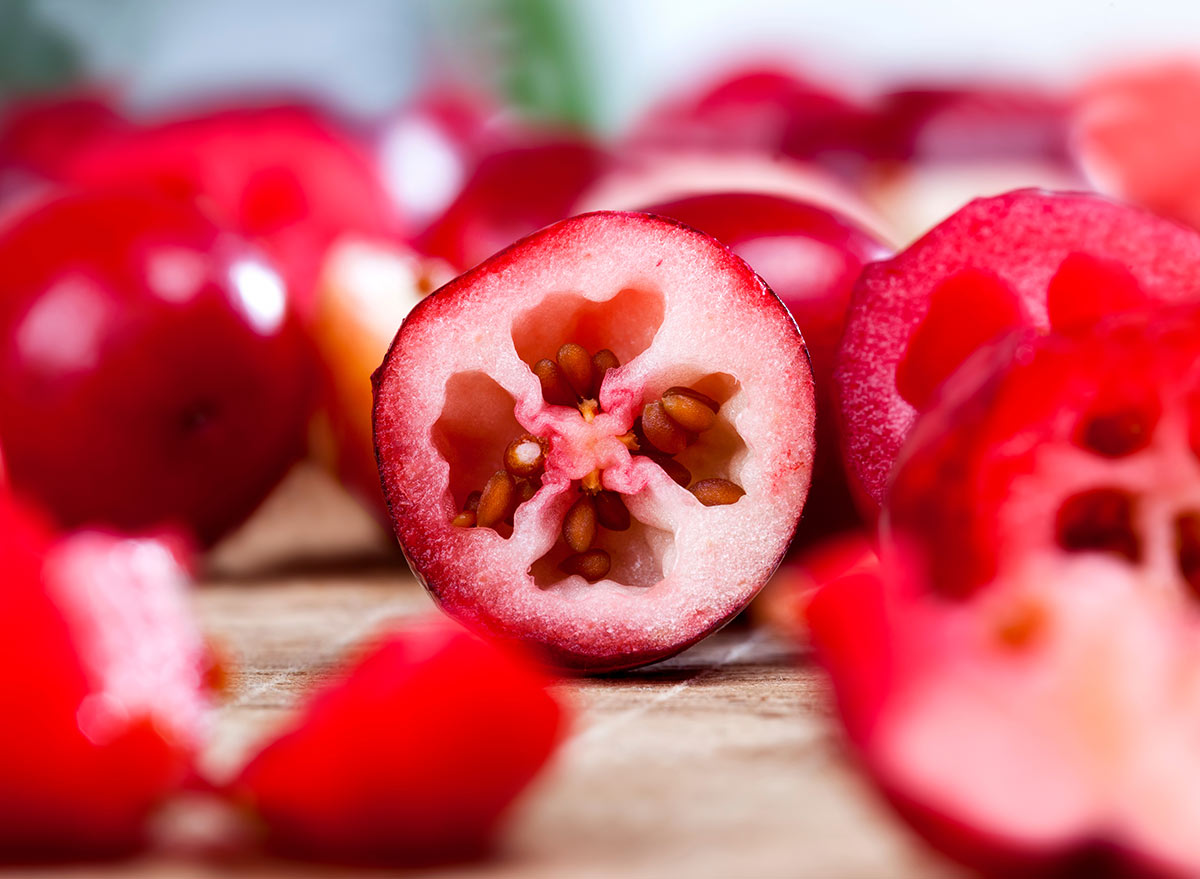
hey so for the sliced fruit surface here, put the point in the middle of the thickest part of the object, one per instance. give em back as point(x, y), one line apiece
point(1025, 259)
point(599, 441)
point(412, 755)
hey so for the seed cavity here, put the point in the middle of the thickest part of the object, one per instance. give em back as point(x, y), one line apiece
point(525, 456)
point(1100, 520)
point(579, 525)
point(1116, 433)
point(717, 492)
point(592, 565)
point(1187, 548)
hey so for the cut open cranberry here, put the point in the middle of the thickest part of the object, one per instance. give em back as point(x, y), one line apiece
point(599, 441)
point(1026, 259)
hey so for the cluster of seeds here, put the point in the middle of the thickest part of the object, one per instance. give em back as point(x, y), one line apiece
point(665, 428)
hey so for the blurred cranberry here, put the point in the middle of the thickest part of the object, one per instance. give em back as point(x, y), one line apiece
point(152, 370)
point(512, 192)
point(40, 133)
point(284, 177)
point(1138, 136)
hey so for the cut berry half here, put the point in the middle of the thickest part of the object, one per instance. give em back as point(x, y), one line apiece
point(599, 441)
point(1082, 444)
point(811, 257)
point(284, 177)
point(1025, 259)
point(102, 686)
point(412, 756)
point(366, 289)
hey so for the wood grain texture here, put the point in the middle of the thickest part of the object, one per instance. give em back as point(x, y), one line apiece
point(724, 761)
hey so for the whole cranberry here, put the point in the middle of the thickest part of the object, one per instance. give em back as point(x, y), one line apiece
point(152, 370)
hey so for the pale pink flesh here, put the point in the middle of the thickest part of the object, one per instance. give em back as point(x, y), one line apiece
point(677, 309)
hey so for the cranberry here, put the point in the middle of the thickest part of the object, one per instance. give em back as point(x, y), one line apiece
point(412, 755)
point(153, 372)
point(96, 734)
point(1024, 259)
point(284, 177)
point(40, 133)
point(540, 421)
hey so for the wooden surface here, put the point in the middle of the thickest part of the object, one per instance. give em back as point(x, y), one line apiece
point(724, 761)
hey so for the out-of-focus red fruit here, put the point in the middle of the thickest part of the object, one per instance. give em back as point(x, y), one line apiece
point(811, 258)
point(599, 441)
point(40, 133)
point(1026, 259)
point(428, 148)
point(646, 177)
point(782, 606)
point(285, 178)
point(766, 110)
point(412, 756)
point(512, 192)
point(367, 288)
point(152, 370)
point(1021, 683)
point(938, 148)
point(1138, 137)
point(102, 691)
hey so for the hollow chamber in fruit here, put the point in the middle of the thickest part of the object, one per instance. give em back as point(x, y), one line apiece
point(599, 441)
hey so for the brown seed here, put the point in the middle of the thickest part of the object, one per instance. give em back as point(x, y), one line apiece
point(592, 565)
point(465, 519)
point(680, 391)
point(1187, 547)
point(717, 492)
point(661, 431)
point(498, 500)
point(555, 388)
point(579, 525)
point(611, 511)
point(673, 468)
point(1100, 519)
point(688, 412)
point(525, 456)
point(602, 361)
point(526, 489)
point(576, 366)
point(472, 503)
point(1117, 433)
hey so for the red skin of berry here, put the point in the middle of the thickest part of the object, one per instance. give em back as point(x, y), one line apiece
point(412, 756)
point(651, 290)
point(153, 374)
point(510, 193)
point(1138, 139)
point(95, 735)
point(811, 257)
point(1025, 259)
point(40, 133)
point(285, 177)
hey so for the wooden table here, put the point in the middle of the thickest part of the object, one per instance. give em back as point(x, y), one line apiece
point(724, 761)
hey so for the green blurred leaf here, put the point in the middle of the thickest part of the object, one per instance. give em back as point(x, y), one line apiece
point(33, 54)
point(544, 70)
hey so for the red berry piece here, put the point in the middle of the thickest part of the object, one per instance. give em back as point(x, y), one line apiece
point(611, 562)
point(995, 262)
point(511, 192)
point(283, 177)
point(153, 372)
point(411, 756)
point(40, 133)
point(102, 687)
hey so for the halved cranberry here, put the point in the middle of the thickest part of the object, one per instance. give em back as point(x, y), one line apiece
point(997, 264)
point(102, 688)
point(413, 755)
point(579, 336)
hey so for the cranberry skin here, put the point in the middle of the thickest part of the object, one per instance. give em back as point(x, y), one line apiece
point(810, 257)
point(40, 133)
point(153, 373)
